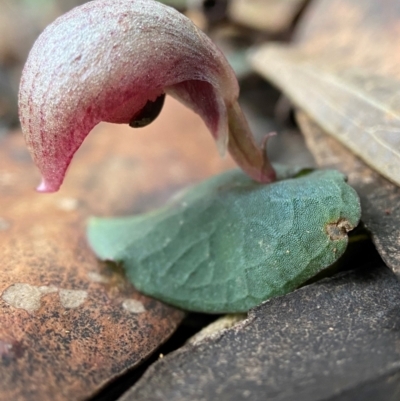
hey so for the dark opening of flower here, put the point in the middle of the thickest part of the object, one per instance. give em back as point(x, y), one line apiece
point(149, 113)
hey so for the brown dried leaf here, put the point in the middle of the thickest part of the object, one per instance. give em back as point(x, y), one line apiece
point(68, 323)
point(344, 73)
point(380, 199)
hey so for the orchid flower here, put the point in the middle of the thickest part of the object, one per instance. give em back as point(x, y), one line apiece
point(114, 61)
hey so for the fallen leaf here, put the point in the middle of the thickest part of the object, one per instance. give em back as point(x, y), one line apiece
point(69, 323)
point(229, 243)
point(336, 340)
point(380, 199)
point(343, 72)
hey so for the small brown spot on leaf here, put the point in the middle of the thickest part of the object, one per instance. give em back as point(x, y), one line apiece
point(339, 229)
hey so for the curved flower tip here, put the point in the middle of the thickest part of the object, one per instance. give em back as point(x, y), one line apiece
point(113, 61)
point(43, 187)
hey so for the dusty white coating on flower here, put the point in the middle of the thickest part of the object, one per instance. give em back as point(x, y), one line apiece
point(103, 61)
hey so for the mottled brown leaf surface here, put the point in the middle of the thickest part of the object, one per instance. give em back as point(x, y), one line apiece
point(380, 199)
point(272, 16)
point(68, 323)
point(344, 73)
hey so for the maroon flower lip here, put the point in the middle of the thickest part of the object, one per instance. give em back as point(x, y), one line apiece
point(113, 60)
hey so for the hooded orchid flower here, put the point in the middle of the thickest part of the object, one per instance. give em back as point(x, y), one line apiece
point(114, 61)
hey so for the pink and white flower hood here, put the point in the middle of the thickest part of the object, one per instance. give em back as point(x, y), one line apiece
point(109, 59)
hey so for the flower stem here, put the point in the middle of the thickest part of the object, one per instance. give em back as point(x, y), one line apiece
point(252, 158)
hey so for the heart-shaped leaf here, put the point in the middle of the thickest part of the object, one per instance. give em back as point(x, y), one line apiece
point(230, 243)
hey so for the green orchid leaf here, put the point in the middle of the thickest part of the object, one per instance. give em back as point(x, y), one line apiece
point(229, 243)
